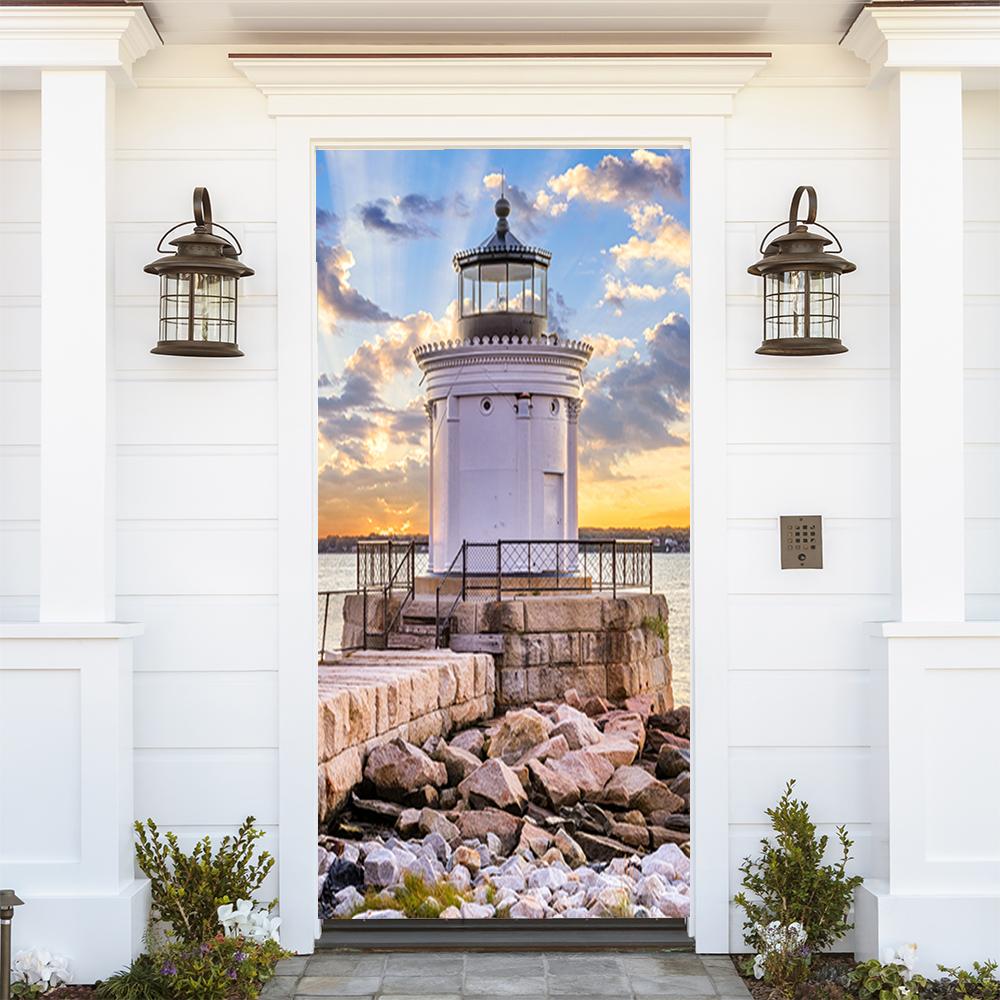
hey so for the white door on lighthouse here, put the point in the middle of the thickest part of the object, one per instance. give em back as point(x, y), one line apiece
point(553, 504)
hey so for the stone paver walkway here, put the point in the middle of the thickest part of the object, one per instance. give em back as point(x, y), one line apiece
point(592, 975)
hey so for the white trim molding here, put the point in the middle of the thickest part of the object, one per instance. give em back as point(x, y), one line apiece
point(397, 103)
point(482, 84)
point(919, 36)
point(37, 36)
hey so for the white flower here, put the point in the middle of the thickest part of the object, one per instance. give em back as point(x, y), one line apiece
point(39, 967)
point(758, 967)
point(905, 956)
point(248, 921)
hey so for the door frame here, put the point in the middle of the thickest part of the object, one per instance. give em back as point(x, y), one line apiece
point(329, 101)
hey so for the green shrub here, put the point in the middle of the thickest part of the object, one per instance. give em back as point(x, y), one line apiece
point(874, 980)
point(222, 968)
point(981, 983)
point(789, 883)
point(141, 981)
point(188, 889)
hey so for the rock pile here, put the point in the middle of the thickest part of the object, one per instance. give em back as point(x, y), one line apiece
point(548, 811)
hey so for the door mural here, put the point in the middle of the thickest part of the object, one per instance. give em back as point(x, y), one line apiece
point(503, 533)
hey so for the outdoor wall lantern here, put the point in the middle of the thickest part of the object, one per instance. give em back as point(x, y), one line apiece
point(198, 288)
point(801, 286)
point(8, 900)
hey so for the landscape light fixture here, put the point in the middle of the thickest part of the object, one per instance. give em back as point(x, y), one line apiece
point(8, 900)
point(801, 286)
point(198, 288)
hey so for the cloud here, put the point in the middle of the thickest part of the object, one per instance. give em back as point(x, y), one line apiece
point(658, 238)
point(617, 293)
point(366, 498)
point(337, 299)
point(525, 215)
point(641, 177)
point(560, 312)
point(327, 225)
point(682, 282)
point(638, 404)
point(411, 211)
point(606, 346)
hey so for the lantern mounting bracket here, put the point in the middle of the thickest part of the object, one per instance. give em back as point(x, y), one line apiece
point(809, 220)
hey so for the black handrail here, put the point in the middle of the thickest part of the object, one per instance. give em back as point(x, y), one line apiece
point(409, 562)
point(460, 596)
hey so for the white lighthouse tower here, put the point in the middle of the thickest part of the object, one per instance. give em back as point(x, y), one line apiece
point(503, 403)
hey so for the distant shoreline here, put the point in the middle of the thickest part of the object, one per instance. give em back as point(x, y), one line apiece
point(665, 539)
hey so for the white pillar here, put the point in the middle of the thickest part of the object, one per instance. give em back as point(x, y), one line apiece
point(572, 468)
point(429, 409)
point(453, 499)
point(927, 334)
point(77, 579)
point(526, 528)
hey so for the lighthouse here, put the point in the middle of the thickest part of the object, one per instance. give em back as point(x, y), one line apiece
point(502, 404)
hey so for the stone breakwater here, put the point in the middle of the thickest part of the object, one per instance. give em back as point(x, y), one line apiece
point(547, 811)
point(594, 643)
point(368, 699)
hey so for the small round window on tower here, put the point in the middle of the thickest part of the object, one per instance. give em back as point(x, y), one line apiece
point(486, 405)
point(554, 407)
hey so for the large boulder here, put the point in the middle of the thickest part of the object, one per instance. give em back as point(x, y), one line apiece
point(618, 749)
point(459, 763)
point(432, 821)
point(398, 769)
point(471, 740)
point(671, 761)
point(557, 789)
point(518, 732)
point(554, 746)
point(494, 784)
point(634, 788)
point(579, 732)
point(477, 824)
point(589, 771)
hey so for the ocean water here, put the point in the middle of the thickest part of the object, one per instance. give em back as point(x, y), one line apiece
point(671, 577)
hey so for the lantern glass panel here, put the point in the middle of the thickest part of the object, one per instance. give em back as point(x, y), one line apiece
point(540, 295)
point(470, 290)
point(494, 288)
point(519, 287)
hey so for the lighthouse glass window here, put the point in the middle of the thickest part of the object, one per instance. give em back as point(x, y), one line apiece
point(503, 416)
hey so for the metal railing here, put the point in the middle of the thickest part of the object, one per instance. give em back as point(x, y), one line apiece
point(384, 567)
point(489, 570)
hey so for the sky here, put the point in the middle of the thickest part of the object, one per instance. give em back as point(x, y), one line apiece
point(617, 223)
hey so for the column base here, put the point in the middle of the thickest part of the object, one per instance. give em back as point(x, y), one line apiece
point(97, 934)
point(950, 930)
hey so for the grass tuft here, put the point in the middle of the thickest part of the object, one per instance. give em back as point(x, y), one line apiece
point(414, 898)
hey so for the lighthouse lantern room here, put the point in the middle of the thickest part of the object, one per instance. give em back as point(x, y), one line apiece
point(502, 403)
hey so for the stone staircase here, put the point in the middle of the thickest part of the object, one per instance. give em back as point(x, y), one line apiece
point(416, 628)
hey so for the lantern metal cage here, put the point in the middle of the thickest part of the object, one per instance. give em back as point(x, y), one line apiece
point(801, 285)
point(198, 288)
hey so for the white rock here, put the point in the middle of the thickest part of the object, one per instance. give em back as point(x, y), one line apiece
point(438, 845)
point(381, 868)
point(451, 913)
point(380, 915)
point(493, 844)
point(460, 878)
point(428, 871)
point(347, 899)
point(477, 911)
point(667, 854)
point(578, 913)
point(513, 881)
point(527, 909)
point(351, 852)
point(548, 878)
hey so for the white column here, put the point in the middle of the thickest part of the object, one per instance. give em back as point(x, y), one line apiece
point(77, 440)
point(429, 409)
point(453, 512)
point(572, 468)
point(525, 528)
point(927, 333)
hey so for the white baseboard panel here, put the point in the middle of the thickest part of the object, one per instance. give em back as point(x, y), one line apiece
point(99, 934)
point(950, 930)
